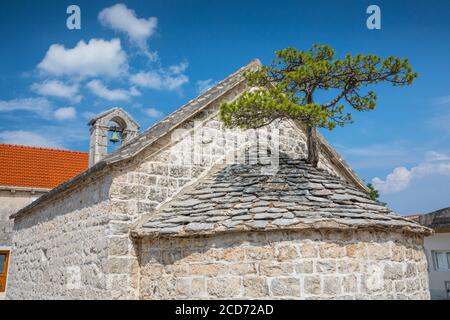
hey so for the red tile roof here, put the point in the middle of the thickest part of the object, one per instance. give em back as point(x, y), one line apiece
point(22, 166)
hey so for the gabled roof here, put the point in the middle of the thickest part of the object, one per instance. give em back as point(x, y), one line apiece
point(239, 198)
point(23, 166)
point(158, 130)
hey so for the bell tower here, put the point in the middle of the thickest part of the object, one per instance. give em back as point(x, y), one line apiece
point(108, 128)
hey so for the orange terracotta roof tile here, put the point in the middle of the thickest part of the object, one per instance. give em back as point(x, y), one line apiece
point(22, 166)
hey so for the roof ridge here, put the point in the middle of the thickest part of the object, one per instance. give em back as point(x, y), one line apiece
point(112, 157)
point(41, 148)
point(248, 65)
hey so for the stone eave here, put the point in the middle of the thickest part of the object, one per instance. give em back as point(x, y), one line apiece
point(318, 225)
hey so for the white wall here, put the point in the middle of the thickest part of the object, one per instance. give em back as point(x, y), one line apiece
point(437, 242)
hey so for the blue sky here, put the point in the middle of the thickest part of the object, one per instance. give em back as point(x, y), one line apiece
point(153, 65)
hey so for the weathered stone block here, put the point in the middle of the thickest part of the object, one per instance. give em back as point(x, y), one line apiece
point(198, 287)
point(356, 250)
point(331, 250)
point(224, 287)
point(326, 266)
point(255, 287)
point(308, 250)
point(118, 246)
point(209, 269)
point(289, 287)
point(350, 283)
point(331, 285)
point(304, 267)
point(312, 285)
point(276, 268)
point(259, 253)
point(377, 251)
point(286, 252)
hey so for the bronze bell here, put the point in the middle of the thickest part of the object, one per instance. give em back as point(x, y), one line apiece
point(115, 137)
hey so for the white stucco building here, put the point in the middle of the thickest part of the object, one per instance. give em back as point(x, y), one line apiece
point(437, 248)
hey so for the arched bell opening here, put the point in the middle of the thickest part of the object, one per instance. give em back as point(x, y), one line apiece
point(115, 133)
point(110, 130)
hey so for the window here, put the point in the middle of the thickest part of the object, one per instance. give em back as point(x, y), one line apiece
point(4, 259)
point(441, 260)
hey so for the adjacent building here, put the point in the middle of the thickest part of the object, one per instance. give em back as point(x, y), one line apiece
point(437, 248)
point(26, 173)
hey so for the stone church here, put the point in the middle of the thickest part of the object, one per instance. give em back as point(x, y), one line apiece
point(189, 210)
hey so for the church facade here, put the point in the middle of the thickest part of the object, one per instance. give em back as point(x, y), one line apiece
point(188, 209)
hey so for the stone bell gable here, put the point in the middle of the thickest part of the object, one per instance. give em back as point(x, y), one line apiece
point(98, 142)
point(103, 234)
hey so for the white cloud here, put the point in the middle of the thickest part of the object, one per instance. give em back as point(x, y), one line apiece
point(435, 156)
point(155, 80)
point(170, 79)
point(27, 138)
point(396, 181)
point(55, 88)
point(65, 113)
point(204, 85)
point(436, 164)
point(97, 57)
point(99, 89)
point(40, 106)
point(121, 19)
point(153, 113)
point(178, 68)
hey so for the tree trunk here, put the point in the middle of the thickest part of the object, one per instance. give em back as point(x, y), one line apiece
point(313, 149)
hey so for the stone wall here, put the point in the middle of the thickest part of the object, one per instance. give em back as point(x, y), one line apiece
point(60, 250)
point(11, 202)
point(285, 265)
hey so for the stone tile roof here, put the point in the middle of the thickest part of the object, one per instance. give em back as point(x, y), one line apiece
point(239, 198)
point(23, 166)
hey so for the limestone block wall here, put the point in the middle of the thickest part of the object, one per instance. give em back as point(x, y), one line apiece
point(60, 250)
point(11, 202)
point(285, 265)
